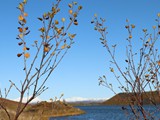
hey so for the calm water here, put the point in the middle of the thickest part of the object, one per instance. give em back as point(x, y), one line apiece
point(103, 113)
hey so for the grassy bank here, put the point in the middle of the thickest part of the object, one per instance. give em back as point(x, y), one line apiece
point(40, 111)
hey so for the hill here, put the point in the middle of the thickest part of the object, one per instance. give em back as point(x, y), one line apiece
point(79, 101)
point(124, 98)
point(42, 110)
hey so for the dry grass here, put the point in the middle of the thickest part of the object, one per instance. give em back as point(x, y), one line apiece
point(124, 98)
point(40, 111)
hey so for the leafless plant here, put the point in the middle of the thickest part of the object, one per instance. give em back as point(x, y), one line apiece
point(44, 56)
point(141, 73)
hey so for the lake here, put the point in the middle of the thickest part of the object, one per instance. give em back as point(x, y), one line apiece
point(104, 113)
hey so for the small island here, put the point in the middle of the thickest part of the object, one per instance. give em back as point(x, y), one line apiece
point(43, 110)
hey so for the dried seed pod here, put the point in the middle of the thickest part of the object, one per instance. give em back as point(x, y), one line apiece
point(70, 11)
point(20, 29)
point(75, 22)
point(27, 48)
point(46, 49)
point(26, 55)
point(19, 54)
point(20, 43)
point(79, 7)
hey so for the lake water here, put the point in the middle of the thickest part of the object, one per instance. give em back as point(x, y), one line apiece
point(103, 113)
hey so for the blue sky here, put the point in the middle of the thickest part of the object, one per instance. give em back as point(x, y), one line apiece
point(78, 73)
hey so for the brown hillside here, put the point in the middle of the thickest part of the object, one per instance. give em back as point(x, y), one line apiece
point(9, 103)
point(124, 98)
point(42, 110)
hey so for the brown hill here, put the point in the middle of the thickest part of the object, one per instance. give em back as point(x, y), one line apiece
point(42, 110)
point(124, 98)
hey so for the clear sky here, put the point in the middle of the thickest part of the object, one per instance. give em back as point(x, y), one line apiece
point(78, 73)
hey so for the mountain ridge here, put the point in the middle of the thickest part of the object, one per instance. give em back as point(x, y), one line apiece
point(81, 99)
